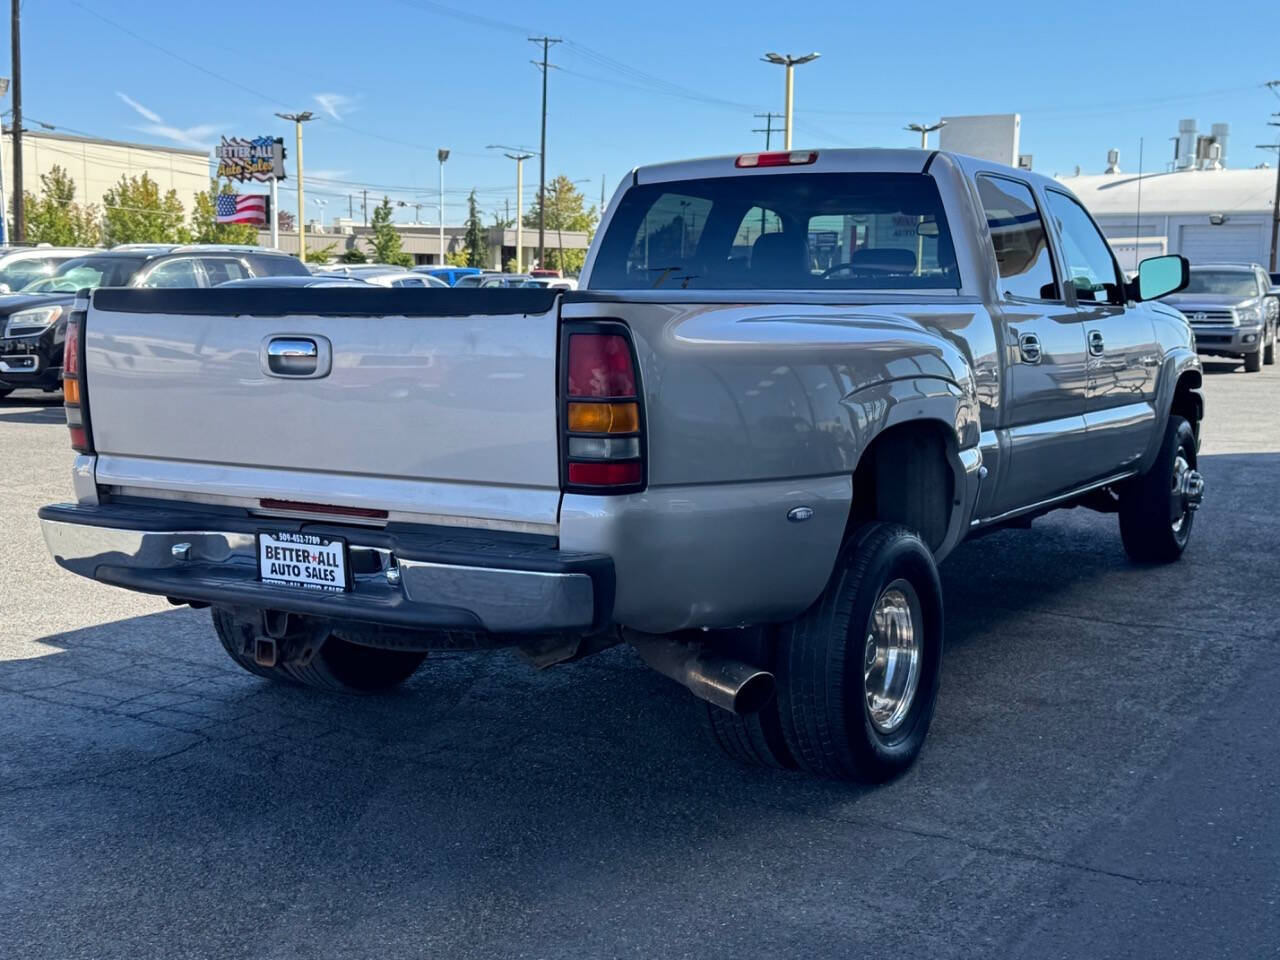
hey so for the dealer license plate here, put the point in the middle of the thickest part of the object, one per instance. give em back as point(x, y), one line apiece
point(303, 560)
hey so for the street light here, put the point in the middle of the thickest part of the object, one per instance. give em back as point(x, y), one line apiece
point(298, 119)
point(520, 155)
point(321, 203)
point(790, 63)
point(924, 130)
point(442, 155)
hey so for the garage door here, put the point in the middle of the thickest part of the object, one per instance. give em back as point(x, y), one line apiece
point(1230, 242)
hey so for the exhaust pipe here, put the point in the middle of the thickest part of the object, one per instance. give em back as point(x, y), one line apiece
point(728, 684)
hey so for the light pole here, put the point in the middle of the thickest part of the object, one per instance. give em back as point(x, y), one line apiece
point(924, 129)
point(298, 120)
point(442, 155)
point(321, 203)
point(520, 156)
point(790, 63)
point(4, 207)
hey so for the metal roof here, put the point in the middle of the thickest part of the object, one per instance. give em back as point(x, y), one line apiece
point(1187, 191)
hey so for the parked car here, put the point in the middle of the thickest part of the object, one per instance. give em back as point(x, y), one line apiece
point(1233, 312)
point(20, 266)
point(308, 281)
point(551, 283)
point(356, 269)
point(742, 449)
point(491, 280)
point(34, 321)
point(400, 278)
point(449, 275)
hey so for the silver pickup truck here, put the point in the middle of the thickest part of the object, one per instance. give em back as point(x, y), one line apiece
point(790, 385)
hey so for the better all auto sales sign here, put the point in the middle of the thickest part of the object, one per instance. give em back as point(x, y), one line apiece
point(261, 158)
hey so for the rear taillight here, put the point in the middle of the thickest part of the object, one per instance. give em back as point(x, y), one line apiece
point(600, 411)
point(74, 396)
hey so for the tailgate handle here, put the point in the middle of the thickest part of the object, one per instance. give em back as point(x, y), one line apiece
point(296, 357)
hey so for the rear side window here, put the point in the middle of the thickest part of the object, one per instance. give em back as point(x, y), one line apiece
point(221, 269)
point(1019, 239)
point(266, 265)
point(173, 274)
point(792, 231)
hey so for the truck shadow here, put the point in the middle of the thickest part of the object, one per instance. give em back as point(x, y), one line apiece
point(483, 772)
point(32, 413)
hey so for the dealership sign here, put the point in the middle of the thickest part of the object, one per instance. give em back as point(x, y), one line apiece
point(261, 158)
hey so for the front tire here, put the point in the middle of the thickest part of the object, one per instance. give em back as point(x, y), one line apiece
point(1157, 509)
point(339, 665)
point(1269, 352)
point(858, 672)
point(1253, 361)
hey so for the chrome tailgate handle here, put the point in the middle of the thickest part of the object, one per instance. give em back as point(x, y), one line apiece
point(299, 357)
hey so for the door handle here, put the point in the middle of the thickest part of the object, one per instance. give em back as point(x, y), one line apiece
point(1096, 345)
point(300, 357)
point(1029, 348)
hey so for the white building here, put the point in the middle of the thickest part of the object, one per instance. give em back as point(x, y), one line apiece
point(1201, 208)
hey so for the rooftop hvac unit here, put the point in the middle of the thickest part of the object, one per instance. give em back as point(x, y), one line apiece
point(1113, 161)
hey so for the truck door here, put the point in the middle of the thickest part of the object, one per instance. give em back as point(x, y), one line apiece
point(1123, 355)
point(1042, 423)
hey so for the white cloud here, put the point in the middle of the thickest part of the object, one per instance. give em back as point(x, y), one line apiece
point(199, 137)
point(335, 104)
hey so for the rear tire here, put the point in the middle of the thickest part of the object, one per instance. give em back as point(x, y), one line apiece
point(1151, 531)
point(858, 672)
point(339, 665)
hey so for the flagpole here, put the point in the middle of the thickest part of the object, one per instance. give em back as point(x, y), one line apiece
point(275, 217)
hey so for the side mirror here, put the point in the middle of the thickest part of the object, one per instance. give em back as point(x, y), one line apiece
point(1159, 276)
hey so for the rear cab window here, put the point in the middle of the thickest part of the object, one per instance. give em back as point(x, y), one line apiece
point(792, 231)
point(1018, 239)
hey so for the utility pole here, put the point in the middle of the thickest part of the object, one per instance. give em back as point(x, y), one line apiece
point(351, 208)
point(4, 207)
point(602, 195)
point(364, 206)
point(790, 63)
point(767, 129)
point(542, 149)
point(924, 129)
point(298, 120)
point(19, 214)
point(1274, 86)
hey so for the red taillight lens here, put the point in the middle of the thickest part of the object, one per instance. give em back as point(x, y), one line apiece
point(603, 439)
point(600, 366)
point(74, 395)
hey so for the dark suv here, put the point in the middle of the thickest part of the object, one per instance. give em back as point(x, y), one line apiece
point(1232, 311)
point(32, 322)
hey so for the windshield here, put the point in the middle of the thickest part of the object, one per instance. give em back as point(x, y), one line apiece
point(810, 231)
point(90, 272)
point(1227, 283)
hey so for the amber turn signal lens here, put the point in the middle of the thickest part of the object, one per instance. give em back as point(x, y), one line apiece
point(71, 391)
point(604, 417)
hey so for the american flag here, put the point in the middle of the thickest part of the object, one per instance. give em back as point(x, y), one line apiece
point(242, 208)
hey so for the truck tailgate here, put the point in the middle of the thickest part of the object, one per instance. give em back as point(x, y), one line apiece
point(434, 405)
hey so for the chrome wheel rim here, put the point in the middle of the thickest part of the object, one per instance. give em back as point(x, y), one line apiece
point(892, 655)
point(1186, 493)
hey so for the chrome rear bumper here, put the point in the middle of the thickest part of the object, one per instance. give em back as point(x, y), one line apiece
point(420, 578)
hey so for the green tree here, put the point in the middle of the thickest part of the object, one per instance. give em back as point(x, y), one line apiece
point(136, 212)
point(354, 255)
point(205, 227)
point(386, 238)
point(56, 218)
point(566, 210)
point(323, 255)
point(477, 240)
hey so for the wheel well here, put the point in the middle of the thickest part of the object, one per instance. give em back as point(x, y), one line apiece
point(905, 477)
point(1187, 401)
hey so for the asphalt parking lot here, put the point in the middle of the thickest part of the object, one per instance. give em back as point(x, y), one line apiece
point(1102, 780)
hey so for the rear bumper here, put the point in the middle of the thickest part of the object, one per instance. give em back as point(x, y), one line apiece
point(442, 578)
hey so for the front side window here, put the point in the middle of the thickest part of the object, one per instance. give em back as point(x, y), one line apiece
point(788, 231)
point(173, 274)
point(1019, 239)
point(1091, 269)
point(221, 269)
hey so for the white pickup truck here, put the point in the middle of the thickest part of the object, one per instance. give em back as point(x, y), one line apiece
point(790, 384)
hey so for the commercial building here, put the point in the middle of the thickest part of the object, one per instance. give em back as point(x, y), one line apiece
point(96, 165)
point(1198, 206)
point(422, 241)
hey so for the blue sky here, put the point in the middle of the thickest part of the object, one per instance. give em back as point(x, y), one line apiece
point(637, 83)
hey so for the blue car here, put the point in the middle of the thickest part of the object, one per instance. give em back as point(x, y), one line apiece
point(449, 275)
